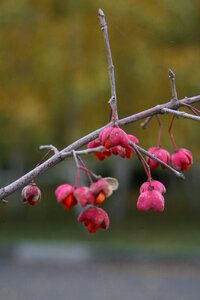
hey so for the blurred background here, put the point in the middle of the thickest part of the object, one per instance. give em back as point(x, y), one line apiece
point(54, 89)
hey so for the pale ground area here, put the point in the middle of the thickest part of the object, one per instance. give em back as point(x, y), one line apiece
point(98, 280)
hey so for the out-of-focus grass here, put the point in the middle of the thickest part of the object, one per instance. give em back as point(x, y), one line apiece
point(176, 229)
point(152, 231)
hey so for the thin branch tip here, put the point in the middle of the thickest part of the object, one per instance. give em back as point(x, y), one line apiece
point(50, 148)
point(182, 114)
point(180, 175)
point(173, 85)
point(145, 123)
point(4, 201)
point(101, 13)
point(113, 100)
point(171, 73)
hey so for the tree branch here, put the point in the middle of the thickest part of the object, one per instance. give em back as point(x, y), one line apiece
point(66, 152)
point(51, 162)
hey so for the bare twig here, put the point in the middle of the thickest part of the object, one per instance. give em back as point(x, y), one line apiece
point(173, 100)
point(49, 147)
point(146, 122)
point(75, 158)
point(89, 150)
point(81, 166)
point(89, 172)
point(4, 201)
point(77, 168)
point(173, 85)
point(113, 100)
point(181, 114)
point(142, 160)
point(159, 131)
point(171, 134)
point(193, 109)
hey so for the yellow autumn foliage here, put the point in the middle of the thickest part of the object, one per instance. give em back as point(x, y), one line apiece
point(54, 84)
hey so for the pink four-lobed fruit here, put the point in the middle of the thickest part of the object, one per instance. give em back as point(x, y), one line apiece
point(84, 196)
point(100, 189)
point(65, 195)
point(151, 200)
point(113, 136)
point(94, 218)
point(181, 159)
point(160, 153)
point(151, 196)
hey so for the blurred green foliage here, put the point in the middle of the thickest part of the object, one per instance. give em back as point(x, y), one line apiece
point(54, 84)
point(53, 68)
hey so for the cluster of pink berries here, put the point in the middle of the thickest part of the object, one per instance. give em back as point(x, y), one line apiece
point(181, 158)
point(90, 197)
point(115, 141)
point(151, 192)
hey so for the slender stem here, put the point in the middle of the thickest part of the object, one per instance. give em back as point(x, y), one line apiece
point(146, 122)
point(50, 148)
point(143, 161)
point(113, 100)
point(193, 109)
point(76, 159)
point(171, 134)
point(173, 85)
point(87, 171)
point(83, 167)
point(77, 176)
point(43, 158)
point(159, 131)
